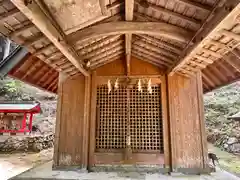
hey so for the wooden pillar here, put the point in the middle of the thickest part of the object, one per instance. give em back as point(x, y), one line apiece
point(72, 129)
point(188, 142)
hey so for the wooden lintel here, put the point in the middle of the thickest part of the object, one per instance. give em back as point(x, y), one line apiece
point(201, 65)
point(122, 27)
point(223, 13)
point(103, 7)
point(34, 13)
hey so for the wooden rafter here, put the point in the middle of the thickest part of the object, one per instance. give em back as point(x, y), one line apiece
point(33, 12)
point(92, 46)
point(107, 61)
point(129, 6)
point(164, 60)
point(160, 43)
point(231, 59)
point(168, 54)
point(154, 59)
point(208, 29)
point(113, 28)
point(102, 55)
point(102, 49)
point(148, 60)
point(177, 16)
point(6, 15)
point(195, 5)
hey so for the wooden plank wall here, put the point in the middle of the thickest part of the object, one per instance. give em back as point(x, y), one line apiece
point(70, 133)
point(186, 123)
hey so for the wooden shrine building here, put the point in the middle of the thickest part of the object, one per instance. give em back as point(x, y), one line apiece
point(130, 75)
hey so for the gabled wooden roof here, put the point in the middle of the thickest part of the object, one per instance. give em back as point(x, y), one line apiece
point(178, 36)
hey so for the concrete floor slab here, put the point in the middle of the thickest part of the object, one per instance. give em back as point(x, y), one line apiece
point(45, 172)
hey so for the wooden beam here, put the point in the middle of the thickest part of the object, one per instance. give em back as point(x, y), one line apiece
point(113, 28)
point(103, 7)
point(33, 12)
point(177, 16)
point(196, 5)
point(114, 5)
point(230, 34)
point(211, 26)
point(34, 40)
point(129, 6)
point(204, 59)
point(6, 15)
point(212, 53)
point(42, 49)
point(175, 49)
point(19, 31)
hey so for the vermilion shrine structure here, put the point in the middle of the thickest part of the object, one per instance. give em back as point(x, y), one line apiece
point(130, 75)
point(16, 117)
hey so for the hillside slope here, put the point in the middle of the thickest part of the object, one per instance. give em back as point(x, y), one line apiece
point(219, 105)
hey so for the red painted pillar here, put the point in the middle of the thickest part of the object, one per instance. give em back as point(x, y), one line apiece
point(30, 123)
point(24, 121)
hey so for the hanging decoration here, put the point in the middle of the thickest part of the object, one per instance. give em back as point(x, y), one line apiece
point(116, 85)
point(149, 88)
point(139, 86)
point(109, 86)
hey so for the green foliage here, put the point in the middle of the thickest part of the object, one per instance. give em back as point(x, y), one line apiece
point(12, 90)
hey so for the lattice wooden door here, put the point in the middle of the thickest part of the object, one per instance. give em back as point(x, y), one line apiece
point(141, 109)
